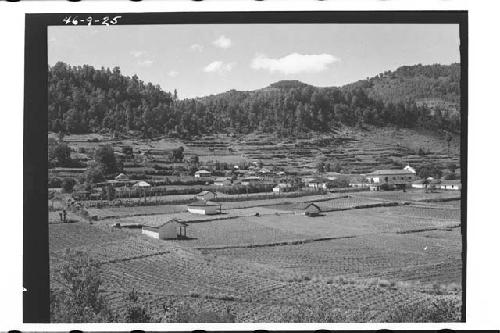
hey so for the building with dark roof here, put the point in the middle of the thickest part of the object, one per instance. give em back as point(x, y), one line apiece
point(312, 210)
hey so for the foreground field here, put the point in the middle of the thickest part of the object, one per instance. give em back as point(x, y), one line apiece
point(375, 259)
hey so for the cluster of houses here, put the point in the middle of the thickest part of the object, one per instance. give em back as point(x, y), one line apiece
point(402, 179)
point(376, 181)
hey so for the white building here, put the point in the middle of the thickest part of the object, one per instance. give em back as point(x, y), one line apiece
point(420, 183)
point(204, 208)
point(454, 185)
point(172, 229)
point(202, 174)
point(390, 178)
point(318, 183)
point(282, 187)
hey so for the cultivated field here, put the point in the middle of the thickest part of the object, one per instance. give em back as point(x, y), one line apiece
point(262, 258)
point(375, 258)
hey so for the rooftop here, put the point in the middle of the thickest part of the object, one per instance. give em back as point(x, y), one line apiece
point(202, 204)
point(390, 172)
point(451, 182)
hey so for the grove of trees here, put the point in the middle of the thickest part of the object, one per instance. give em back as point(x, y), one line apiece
point(84, 99)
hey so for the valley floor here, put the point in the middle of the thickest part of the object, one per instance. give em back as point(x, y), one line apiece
point(369, 261)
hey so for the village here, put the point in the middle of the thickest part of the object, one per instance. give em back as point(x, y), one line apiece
point(175, 210)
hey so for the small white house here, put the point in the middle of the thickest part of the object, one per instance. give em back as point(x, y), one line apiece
point(454, 185)
point(204, 208)
point(172, 229)
point(420, 183)
point(318, 183)
point(202, 174)
point(282, 187)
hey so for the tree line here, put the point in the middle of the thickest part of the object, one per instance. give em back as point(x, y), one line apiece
point(87, 100)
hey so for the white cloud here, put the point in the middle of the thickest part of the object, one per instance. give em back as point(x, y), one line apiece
point(294, 63)
point(145, 62)
point(137, 54)
point(196, 47)
point(173, 73)
point(218, 67)
point(223, 42)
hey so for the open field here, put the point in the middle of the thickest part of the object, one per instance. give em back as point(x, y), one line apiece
point(111, 212)
point(373, 258)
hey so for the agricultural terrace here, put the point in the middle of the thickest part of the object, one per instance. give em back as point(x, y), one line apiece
point(261, 257)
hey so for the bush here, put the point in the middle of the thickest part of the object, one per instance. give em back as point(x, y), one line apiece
point(54, 182)
point(135, 312)
point(79, 300)
point(68, 184)
point(61, 153)
point(429, 170)
point(339, 183)
point(451, 176)
point(105, 157)
point(94, 174)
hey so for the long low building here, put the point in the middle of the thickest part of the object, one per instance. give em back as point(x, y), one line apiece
point(204, 208)
point(454, 185)
point(391, 178)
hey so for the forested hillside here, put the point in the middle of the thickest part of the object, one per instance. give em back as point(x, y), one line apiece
point(85, 99)
point(415, 83)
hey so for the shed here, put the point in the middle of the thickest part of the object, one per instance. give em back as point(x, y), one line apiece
point(312, 210)
point(172, 229)
point(205, 195)
point(204, 208)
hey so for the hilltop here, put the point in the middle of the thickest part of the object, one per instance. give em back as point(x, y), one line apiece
point(88, 100)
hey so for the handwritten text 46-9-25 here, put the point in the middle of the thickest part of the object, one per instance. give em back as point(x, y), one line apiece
point(106, 20)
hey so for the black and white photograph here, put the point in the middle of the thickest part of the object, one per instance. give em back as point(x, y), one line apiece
point(256, 171)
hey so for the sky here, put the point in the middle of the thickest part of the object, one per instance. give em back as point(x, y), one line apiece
point(204, 59)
